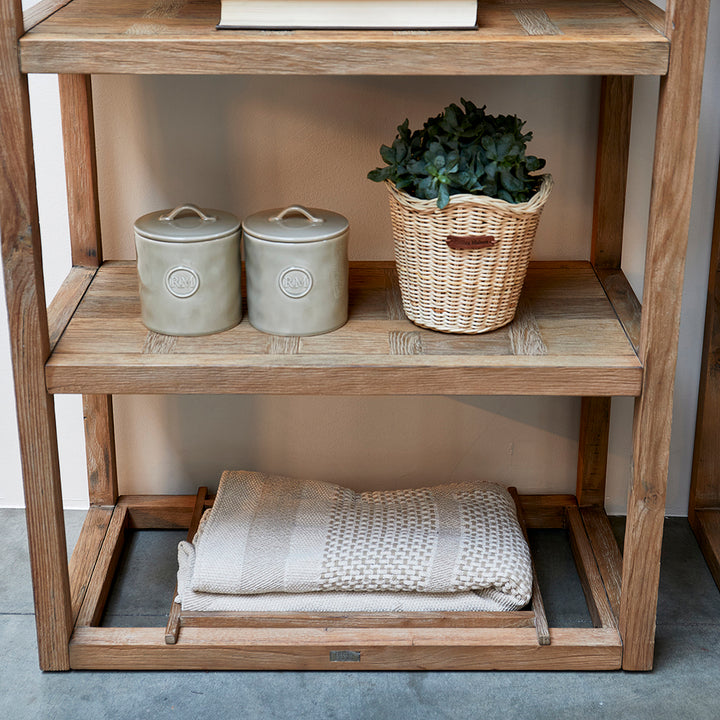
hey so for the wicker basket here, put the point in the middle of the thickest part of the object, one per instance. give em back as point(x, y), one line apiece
point(468, 290)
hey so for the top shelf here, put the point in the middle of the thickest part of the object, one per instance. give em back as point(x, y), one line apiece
point(514, 37)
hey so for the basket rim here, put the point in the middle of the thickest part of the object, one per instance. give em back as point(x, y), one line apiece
point(535, 203)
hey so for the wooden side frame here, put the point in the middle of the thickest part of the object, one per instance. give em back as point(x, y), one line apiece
point(675, 147)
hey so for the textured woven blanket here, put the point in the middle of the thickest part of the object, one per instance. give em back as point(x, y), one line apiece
point(267, 534)
point(340, 602)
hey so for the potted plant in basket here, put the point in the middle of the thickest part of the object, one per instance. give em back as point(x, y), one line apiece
point(464, 205)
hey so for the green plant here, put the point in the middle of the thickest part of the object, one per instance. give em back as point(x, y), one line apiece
point(462, 150)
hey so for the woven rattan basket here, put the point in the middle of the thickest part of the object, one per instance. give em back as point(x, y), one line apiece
point(463, 290)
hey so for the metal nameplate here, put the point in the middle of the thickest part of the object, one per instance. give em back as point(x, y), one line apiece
point(344, 656)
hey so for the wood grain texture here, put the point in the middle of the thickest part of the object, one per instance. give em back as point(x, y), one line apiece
point(100, 449)
point(546, 511)
point(706, 526)
point(606, 551)
point(85, 554)
point(379, 649)
point(590, 578)
point(705, 478)
point(536, 602)
point(605, 38)
point(624, 302)
point(80, 169)
point(30, 347)
point(675, 147)
point(566, 340)
point(172, 629)
point(62, 307)
point(99, 586)
point(592, 450)
point(41, 11)
point(611, 169)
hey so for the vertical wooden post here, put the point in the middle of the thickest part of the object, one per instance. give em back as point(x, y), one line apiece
point(675, 142)
point(705, 484)
point(616, 94)
point(85, 239)
point(30, 346)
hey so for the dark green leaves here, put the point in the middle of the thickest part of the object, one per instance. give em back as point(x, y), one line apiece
point(462, 150)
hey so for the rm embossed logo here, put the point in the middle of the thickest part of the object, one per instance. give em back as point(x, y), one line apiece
point(295, 282)
point(182, 282)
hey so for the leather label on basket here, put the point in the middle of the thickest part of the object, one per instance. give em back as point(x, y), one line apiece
point(470, 242)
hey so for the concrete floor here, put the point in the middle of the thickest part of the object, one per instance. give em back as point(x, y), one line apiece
point(684, 684)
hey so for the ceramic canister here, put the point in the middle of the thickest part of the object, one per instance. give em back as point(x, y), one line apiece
point(296, 266)
point(188, 263)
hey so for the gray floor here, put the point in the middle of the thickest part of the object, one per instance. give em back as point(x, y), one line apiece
point(684, 684)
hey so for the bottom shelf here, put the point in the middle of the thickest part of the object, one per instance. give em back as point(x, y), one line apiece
point(706, 526)
point(352, 641)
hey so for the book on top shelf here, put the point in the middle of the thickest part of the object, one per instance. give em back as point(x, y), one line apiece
point(348, 14)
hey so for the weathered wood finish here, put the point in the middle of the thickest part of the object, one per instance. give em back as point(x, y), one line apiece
point(562, 37)
point(85, 555)
point(624, 302)
point(705, 479)
point(86, 246)
point(66, 300)
point(664, 268)
point(590, 578)
point(592, 450)
point(611, 168)
point(99, 587)
point(30, 347)
point(606, 551)
point(706, 525)
point(379, 649)
point(80, 169)
point(580, 347)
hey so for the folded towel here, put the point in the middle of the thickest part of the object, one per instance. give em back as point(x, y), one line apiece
point(268, 534)
point(340, 602)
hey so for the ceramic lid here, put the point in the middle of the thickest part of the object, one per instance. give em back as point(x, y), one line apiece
point(186, 223)
point(295, 224)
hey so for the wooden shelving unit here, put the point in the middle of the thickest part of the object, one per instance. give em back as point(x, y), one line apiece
point(704, 504)
point(579, 331)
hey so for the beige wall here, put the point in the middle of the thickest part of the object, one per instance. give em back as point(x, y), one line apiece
point(245, 144)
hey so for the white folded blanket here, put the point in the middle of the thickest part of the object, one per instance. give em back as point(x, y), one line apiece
point(340, 602)
point(267, 534)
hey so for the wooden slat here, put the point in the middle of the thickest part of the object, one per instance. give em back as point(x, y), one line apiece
point(611, 171)
point(80, 169)
point(66, 301)
point(100, 449)
point(624, 302)
point(671, 196)
point(85, 555)
point(516, 619)
point(545, 511)
point(538, 607)
point(158, 512)
point(606, 38)
point(30, 347)
point(40, 11)
point(592, 450)
point(706, 525)
point(324, 648)
point(590, 578)
point(173, 624)
point(705, 478)
point(99, 587)
point(606, 551)
point(566, 340)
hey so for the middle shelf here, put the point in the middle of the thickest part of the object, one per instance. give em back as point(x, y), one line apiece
point(566, 339)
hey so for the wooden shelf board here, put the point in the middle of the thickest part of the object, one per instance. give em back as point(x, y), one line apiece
point(565, 340)
point(608, 37)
